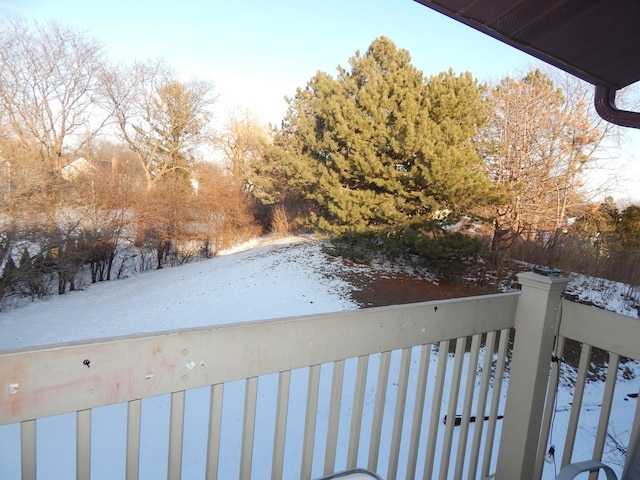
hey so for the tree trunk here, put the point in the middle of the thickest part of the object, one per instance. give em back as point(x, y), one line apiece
point(62, 284)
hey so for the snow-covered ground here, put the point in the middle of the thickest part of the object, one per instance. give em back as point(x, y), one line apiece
point(612, 296)
point(260, 280)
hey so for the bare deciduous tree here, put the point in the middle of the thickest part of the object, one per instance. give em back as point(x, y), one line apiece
point(49, 95)
point(241, 141)
point(162, 120)
point(224, 212)
point(540, 140)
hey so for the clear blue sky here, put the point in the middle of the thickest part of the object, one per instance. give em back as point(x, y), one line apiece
point(257, 51)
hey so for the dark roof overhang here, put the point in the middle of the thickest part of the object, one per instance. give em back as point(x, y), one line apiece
point(595, 40)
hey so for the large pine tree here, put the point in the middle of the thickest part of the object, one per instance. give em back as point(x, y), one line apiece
point(380, 146)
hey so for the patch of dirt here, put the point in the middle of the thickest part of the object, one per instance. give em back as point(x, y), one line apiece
point(400, 288)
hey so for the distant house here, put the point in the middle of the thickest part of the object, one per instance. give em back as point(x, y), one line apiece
point(83, 166)
point(77, 167)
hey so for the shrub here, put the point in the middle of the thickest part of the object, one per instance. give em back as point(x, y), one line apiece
point(443, 253)
point(280, 221)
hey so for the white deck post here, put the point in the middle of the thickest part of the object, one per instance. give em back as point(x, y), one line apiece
point(535, 324)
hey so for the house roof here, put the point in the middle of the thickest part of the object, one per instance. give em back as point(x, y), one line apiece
point(75, 168)
point(595, 40)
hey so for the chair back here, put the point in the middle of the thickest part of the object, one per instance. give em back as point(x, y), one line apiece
point(632, 468)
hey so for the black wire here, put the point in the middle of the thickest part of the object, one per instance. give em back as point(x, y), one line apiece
point(551, 452)
point(555, 359)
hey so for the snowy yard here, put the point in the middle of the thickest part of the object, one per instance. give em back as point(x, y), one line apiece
point(281, 278)
point(286, 277)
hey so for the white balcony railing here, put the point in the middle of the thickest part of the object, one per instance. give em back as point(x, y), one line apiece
point(307, 396)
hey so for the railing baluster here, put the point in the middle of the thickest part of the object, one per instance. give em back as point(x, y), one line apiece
point(495, 401)
point(398, 419)
point(443, 354)
point(418, 409)
point(28, 449)
point(549, 408)
point(469, 389)
point(378, 410)
point(176, 427)
point(489, 349)
point(310, 421)
point(574, 416)
point(133, 439)
point(248, 426)
point(83, 444)
point(356, 411)
point(633, 434)
point(456, 378)
point(279, 436)
point(334, 417)
point(605, 410)
point(213, 440)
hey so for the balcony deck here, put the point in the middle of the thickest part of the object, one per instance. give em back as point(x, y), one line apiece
point(304, 397)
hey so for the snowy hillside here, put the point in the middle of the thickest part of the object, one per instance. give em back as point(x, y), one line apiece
point(281, 278)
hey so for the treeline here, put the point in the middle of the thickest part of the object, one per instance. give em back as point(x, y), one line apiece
point(444, 169)
point(111, 169)
point(604, 241)
point(101, 166)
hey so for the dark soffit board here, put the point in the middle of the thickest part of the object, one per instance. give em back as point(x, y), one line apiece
point(596, 40)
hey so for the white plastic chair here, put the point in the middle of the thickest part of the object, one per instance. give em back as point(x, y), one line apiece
point(353, 474)
point(631, 472)
point(572, 470)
